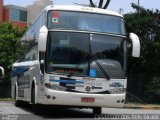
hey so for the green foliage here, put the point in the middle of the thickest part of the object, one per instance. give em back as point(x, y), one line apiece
point(153, 92)
point(146, 24)
point(9, 42)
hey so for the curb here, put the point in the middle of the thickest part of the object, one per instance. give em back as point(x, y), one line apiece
point(149, 107)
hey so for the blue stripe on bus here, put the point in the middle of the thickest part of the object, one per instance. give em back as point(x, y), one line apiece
point(19, 70)
point(67, 81)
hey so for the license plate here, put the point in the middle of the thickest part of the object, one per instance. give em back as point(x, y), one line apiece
point(91, 100)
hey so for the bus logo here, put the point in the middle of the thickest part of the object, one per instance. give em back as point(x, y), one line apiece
point(88, 88)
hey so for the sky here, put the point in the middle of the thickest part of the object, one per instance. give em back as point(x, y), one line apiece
point(114, 4)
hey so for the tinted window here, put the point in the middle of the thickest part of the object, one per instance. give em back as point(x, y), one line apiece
point(86, 22)
point(18, 15)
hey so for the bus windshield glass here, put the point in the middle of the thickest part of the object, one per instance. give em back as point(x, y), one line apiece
point(86, 22)
point(66, 50)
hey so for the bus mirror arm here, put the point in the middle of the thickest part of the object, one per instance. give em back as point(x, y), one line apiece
point(135, 45)
point(42, 66)
point(41, 61)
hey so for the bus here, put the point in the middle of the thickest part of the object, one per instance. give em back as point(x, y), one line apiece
point(2, 71)
point(79, 59)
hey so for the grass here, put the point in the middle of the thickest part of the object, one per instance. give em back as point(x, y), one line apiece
point(6, 99)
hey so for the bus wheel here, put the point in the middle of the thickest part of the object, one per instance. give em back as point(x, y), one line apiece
point(19, 103)
point(97, 111)
point(36, 107)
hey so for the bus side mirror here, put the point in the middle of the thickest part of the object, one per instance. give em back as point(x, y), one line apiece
point(2, 71)
point(43, 33)
point(135, 45)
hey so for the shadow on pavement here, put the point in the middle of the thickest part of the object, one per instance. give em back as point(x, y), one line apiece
point(51, 112)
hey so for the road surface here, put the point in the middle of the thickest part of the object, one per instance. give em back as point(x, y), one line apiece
point(9, 112)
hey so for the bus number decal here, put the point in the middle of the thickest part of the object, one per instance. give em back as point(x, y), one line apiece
point(55, 20)
point(55, 17)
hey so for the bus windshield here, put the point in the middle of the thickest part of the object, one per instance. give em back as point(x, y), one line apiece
point(86, 22)
point(67, 49)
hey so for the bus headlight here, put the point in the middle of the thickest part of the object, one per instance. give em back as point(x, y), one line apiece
point(55, 87)
point(117, 91)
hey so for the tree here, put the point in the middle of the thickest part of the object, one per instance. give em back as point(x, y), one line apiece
point(100, 4)
point(146, 24)
point(9, 44)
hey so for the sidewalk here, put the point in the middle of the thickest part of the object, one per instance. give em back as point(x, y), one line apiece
point(142, 106)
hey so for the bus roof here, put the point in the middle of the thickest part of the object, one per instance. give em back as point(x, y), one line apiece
point(82, 9)
point(76, 9)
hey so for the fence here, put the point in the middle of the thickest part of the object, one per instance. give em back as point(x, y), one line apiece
point(143, 87)
point(5, 89)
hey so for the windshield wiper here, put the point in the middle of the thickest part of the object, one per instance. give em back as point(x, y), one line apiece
point(77, 65)
point(90, 57)
point(94, 58)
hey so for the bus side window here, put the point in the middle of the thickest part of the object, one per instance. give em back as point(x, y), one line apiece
point(33, 57)
point(28, 59)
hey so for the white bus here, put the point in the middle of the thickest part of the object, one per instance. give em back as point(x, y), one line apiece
point(80, 59)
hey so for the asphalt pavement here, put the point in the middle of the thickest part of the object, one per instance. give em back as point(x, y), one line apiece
point(8, 111)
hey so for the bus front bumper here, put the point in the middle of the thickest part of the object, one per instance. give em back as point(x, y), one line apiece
point(53, 97)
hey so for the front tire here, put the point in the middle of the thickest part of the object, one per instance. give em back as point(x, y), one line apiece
point(36, 107)
point(97, 111)
point(18, 103)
